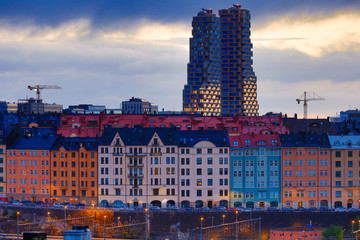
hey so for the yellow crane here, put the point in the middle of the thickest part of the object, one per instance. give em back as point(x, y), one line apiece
point(39, 88)
point(308, 96)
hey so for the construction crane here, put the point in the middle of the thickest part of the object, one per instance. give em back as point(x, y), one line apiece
point(38, 89)
point(308, 96)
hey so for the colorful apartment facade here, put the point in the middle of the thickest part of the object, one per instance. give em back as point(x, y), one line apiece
point(28, 166)
point(345, 153)
point(138, 167)
point(306, 171)
point(204, 169)
point(255, 171)
point(74, 168)
point(3, 188)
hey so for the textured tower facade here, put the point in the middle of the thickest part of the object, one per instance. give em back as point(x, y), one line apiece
point(202, 92)
point(221, 79)
point(238, 85)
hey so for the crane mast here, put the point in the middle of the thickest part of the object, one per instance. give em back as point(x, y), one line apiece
point(308, 96)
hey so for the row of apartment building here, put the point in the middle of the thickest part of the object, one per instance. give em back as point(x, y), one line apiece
point(169, 167)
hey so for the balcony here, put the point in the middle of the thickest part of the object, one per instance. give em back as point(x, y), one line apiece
point(135, 175)
point(156, 154)
point(135, 154)
point(83, 188)
point(117, 154)
point(135, 165)
point(63, 187)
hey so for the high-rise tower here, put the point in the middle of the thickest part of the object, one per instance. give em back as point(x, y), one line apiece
point(221, 79)
point(202, 92)
point(238, 84)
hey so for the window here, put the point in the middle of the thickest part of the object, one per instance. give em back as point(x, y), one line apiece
point(198, 193)
point(350, 153)
point(350, 163)
point(337, 164)
point(198, 171)
point(337, 193)
point(337, 154)
point(350, 173)
point(338, 174)
point(198, 161)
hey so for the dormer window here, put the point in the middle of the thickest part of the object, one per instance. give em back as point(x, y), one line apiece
point(156, 141)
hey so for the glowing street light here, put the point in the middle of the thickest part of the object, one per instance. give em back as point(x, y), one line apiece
point(237, 230)
point(65, 217)
point(17, 223)
point(104, 228)
point(201, 221)
point(223, 216)
point(118, 221)
point(48, 213)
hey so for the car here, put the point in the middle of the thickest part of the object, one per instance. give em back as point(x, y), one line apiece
point(79, 205)
point(173, 208)
point(313, 209)
point(287, 209)
point(273, 209)
point(154, 208)
point(302, 209)
point(325, 209)
point(16, 202)
point(248, 209)
point(3, 202)
point(38, 203)
point(259, 209)
point(353, 210)
point(204, 209)
point(58, 205)
point(340, 209)
point(219, 209)
point(240, 209)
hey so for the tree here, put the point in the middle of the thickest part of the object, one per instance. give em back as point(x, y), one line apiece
point(333, 231)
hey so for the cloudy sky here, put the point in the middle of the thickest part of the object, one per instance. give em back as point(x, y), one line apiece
point(104, 52)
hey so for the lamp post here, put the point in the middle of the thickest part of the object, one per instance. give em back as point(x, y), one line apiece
point(201, 221)
point(48, 213)
point(104, 228)
point(237, 230)
point(17, 224)
point(65, 218)
point(93, 205)
point(223, 216)
point(118, 218)
point(147, 216)
point(352, 230)
point(212, 221)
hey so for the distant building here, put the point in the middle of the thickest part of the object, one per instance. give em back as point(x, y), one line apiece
point(220, 72)
point(53, 108)
point(85, 109)
point(12, 107)
point(296, 233)
point(36, 106)
point(138, 106)
point(2, 169)
point(309, 126)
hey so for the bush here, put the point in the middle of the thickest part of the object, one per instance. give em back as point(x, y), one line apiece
point(334, 231)
point(5, 212)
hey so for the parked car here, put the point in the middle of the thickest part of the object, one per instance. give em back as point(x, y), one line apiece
point(287, 209)
point(154, 208)
point(204, 209)
point(259, 209)
point(219, 209)
point(173, 208)
point(79, 205)
point(248, 209)
point(273, 209)
point(3, 202)
point(38, 203)
point(353, 210)
point(325, 209)
point(302, 209)
point(313, 209)
point(340, 209)
point(16, 202)
point(58, 205)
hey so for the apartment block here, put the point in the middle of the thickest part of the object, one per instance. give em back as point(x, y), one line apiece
point(345, 174)
point(28, 166)
point(138, 167)
point(74, 166)
point(255, 171)
point(306, 171)
point(204, 166)
point(3, 170)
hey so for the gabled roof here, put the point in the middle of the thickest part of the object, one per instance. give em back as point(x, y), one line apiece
point(139, 136)
point(304, 140)
point(190, 138)
point(345, 142)
point(75, 143)
point(254, 140)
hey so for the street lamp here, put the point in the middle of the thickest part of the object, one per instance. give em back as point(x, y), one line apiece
point(65, 217)
point(17, 223)
point(118, 221)
point(48, 213)
point(93, 205)
point(223, 216)
point(237, 230)
point(201, 221)
point(147, 216)
point(352, 230)
point(104, 228)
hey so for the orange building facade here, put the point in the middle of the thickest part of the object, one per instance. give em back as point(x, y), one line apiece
point(306, 175)
point(74, 171)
